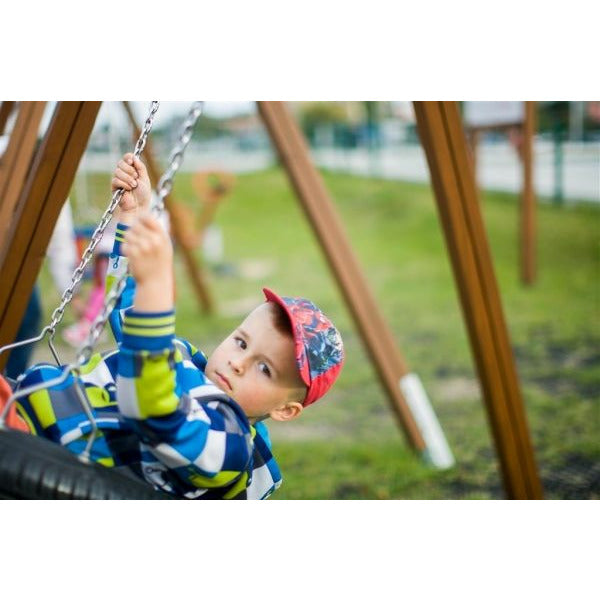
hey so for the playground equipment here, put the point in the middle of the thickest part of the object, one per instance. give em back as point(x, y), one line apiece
point(517, 121)
point(178, 227)
point(452, 175)
point(21, 478)
point(212, 187)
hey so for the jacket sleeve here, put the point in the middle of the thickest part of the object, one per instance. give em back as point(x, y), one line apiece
point(205, 444)
point(117, 266)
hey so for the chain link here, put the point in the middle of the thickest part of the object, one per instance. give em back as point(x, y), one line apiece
point(67, 296)
point(165, 185)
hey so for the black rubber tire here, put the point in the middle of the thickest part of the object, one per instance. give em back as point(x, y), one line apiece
point(32, 468)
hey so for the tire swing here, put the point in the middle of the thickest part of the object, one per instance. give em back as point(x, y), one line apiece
point(35, 468)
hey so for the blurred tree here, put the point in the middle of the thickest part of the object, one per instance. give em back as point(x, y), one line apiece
point(312, 115)
point(552, 117)
point(373, 116)
point(206, 128)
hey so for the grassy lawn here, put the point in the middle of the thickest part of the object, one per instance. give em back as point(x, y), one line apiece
point(350, 446)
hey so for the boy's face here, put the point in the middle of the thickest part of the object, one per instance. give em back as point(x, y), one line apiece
point(255, 365)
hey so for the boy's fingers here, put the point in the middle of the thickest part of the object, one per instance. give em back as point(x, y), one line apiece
point(147, 219)
point(141, 228)
point(123, 176)
point(144, 241)
point(142, 244)
point(126, 249)
point(117, 183)
point(128, 158)
point(127, 168)
point(139, 165)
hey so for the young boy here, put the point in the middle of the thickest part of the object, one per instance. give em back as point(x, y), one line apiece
point(189, 426)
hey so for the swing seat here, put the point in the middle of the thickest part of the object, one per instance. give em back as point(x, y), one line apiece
point(35, 468)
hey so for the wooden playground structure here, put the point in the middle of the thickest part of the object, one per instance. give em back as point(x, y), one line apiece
point(524, 126)
point(35, 182)
point(186, 229)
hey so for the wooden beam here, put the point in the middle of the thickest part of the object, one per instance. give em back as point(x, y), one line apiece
point(474, 135)
point(6, 107)
point(46, 189)
point(17, 160)
point(326, 224)
point(211, 187)
point(453, 182)
point(498, 128)
point(524, 148)
point(195, 273)
point(528, 229)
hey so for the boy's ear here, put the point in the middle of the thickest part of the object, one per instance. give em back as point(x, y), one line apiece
point(287, 412)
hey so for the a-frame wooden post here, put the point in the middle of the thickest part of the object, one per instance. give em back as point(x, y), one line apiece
point(528, 270)
point(17, 160)
point(319, 209)
point(452, 176)
point(23, 249)
point(195, 273)
point(527, 229)
point(6, 107)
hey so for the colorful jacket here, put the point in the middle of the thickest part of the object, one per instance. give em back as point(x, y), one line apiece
point(157, 413)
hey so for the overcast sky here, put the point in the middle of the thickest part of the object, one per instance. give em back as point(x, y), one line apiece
point(114, 111)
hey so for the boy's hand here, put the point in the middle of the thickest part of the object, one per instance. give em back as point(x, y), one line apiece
point(131, 175)
point(150, 254)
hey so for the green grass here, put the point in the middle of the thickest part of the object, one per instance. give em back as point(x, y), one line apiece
point(349, 445)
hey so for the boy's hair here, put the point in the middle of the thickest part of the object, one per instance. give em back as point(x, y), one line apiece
point(318, 345)
point(281, 321)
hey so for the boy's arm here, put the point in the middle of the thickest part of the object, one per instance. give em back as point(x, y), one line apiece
point(131, 176)
point(117, 266)
point(150, 254)
point(204, 446)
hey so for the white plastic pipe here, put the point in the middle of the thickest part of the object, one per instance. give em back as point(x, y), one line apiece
point(437, 450)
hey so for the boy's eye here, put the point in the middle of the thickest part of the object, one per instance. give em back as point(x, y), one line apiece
point(241, 343)
point(264, 369)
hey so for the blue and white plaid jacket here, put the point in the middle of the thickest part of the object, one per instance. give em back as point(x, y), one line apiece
point(156, 411)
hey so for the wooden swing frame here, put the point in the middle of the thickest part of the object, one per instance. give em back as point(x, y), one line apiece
point(41, 194)
point(527, 223)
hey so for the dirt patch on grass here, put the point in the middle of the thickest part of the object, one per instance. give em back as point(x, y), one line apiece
point(455, 389)
point(561, 366)
point(297, 432)
point(576, 477)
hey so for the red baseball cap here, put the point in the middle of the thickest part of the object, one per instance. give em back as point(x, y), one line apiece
point(319, 347)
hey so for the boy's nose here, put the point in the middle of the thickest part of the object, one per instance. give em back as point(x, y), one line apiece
point(237, 366)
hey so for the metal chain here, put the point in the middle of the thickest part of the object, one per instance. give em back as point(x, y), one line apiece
point(85, 352)
point(67, 296)
point(165, 185)
point(58, 313)
point(100, 321)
